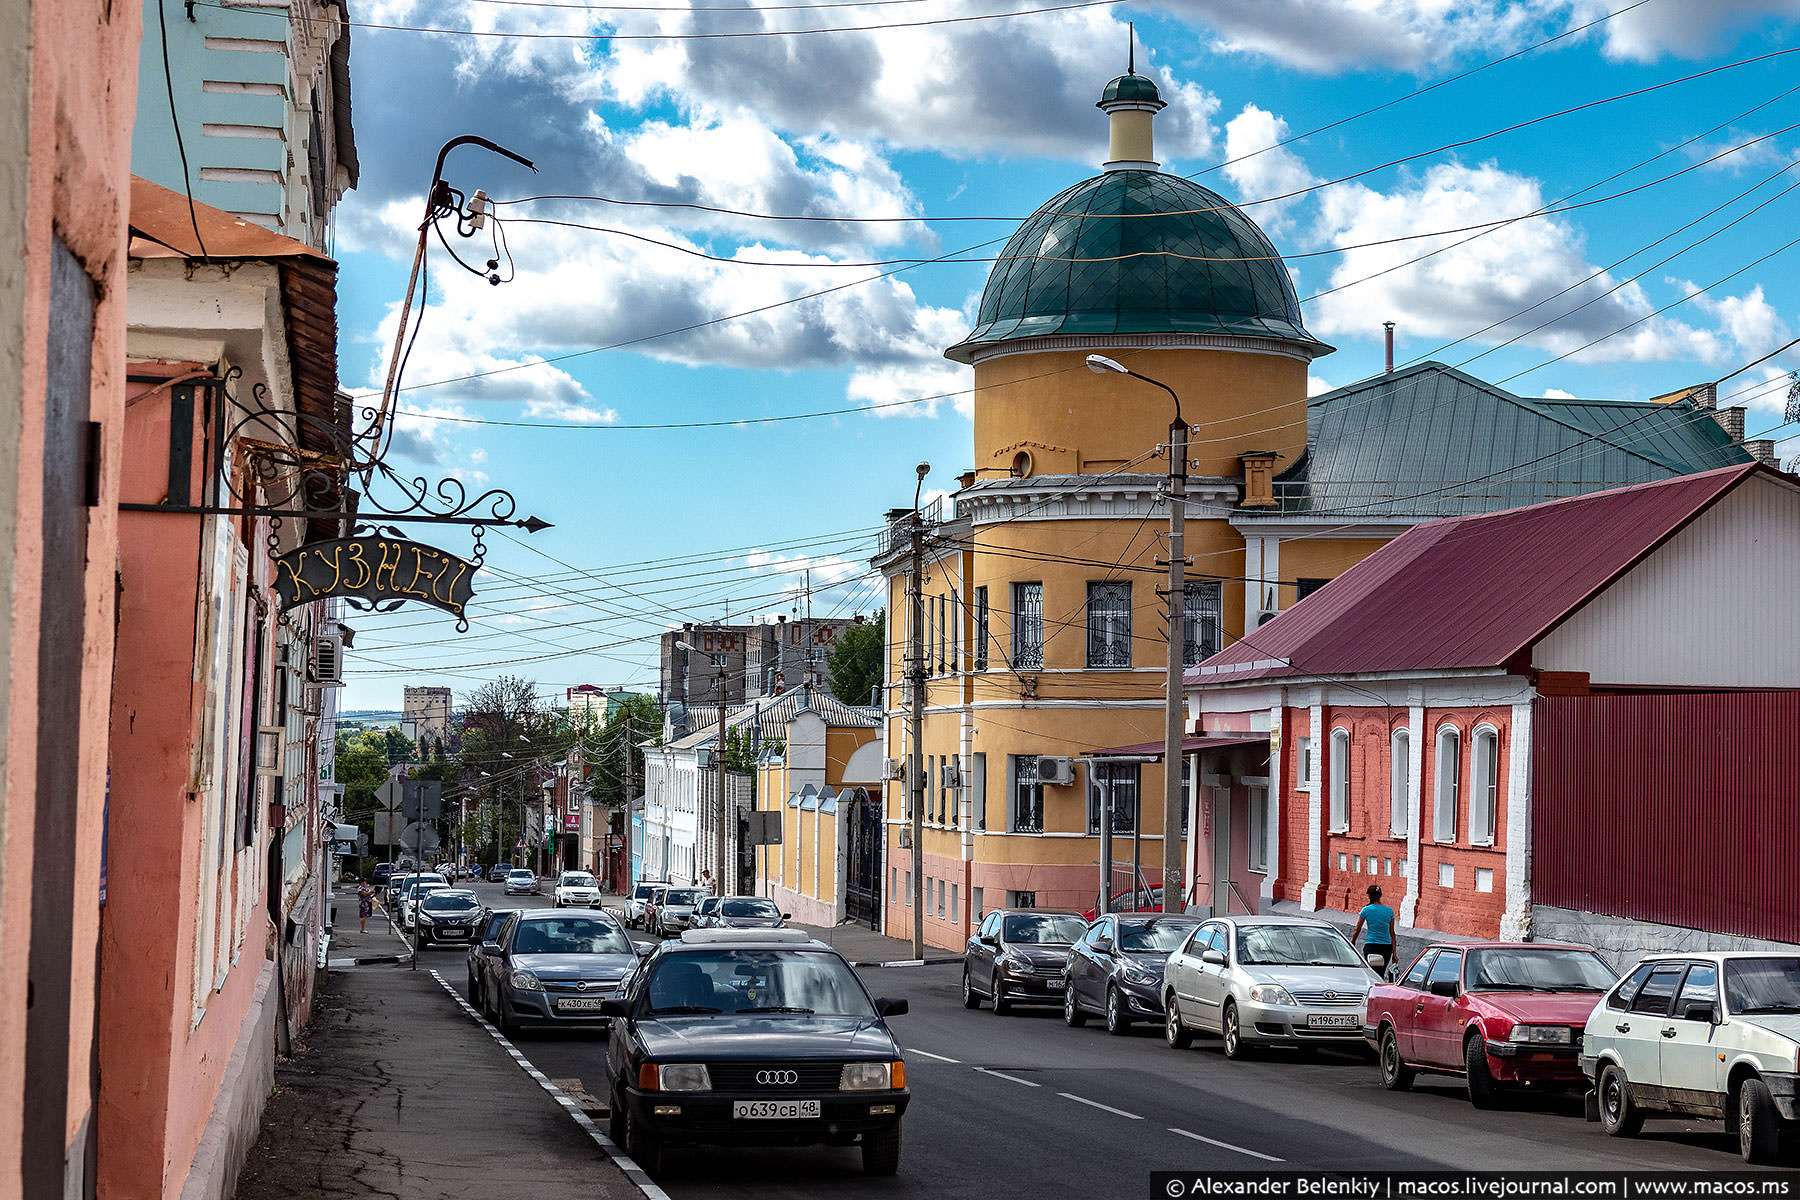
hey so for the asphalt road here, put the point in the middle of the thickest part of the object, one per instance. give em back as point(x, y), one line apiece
point(1021, 1105)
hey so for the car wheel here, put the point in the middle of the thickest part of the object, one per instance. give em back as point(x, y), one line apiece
point(1118, 1021)
point(509, 1025)
point(1230, 1036)
point(998, 991)
point(1619, 1116)
point(473, 993)
point(1483, 1091)
point(643, 1145)
point(1761, 1137)
point(615, 1118)
point(1175, 1030)
point(970, 997)
point(1396, 1076)
point(881, 1150)
point(1073, 1017)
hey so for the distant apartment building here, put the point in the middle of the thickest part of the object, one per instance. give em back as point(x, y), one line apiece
point(428, 710)
point(759, 660)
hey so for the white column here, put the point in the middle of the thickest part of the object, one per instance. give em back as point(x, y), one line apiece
point(1277, 749)
point(1515, 922)
point(1315, 835)
point(1415, 790)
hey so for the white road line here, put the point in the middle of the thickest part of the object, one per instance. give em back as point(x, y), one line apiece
point(1117, 1112)
point(1227, 1146)
point(929, 1054)
point(1008, 1078)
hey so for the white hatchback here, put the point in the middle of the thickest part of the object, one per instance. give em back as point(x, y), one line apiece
point(1708, 1035)
point(577, 889)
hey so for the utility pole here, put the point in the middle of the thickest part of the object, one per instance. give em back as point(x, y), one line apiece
point(623, 880)
point(915, 674)
point(719, 783)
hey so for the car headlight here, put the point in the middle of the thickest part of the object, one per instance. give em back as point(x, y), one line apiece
point(872, 1077)
point(426, 918)
point(1271, 993)
point(683, 1077)
point(527, 981)
point(1138, 972)
point(1559, 1035)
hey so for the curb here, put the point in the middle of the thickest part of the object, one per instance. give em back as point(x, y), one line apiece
point(911, 962)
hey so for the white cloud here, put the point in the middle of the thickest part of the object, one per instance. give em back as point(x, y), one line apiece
point(1258, 168)
point(1316, 386)
point(1557, 394)
point(1750, 321)
point(1331, 35)
point(887, 389)
point(1679, 28)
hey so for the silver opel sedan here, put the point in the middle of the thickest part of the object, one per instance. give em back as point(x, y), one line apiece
point(1257, 981)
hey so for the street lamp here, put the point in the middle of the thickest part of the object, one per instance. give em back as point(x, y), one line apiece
point(718, 661)
point(915, 673)
point(1173, 716)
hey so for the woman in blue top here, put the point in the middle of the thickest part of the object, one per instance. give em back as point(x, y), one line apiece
point(1380, 920)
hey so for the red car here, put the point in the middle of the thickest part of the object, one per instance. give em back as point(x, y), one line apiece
point(1132, 900)
point(1497, 1013)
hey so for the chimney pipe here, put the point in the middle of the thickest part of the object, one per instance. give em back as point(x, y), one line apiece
point(1389, 326)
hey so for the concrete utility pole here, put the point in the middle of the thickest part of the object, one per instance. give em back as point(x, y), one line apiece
point(718, 766)
point(915, 674)
point(1174, 707)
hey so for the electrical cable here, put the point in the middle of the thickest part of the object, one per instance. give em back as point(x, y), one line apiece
point(187, 179)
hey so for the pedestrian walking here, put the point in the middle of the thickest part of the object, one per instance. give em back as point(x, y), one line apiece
point(1380, 921)
point(706, 881)
point(365, 902)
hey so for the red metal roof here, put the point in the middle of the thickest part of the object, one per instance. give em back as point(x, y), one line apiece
point(1472, 591)
point(1189, 745)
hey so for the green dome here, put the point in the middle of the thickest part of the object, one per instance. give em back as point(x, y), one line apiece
point(1130, 87)
point(1192, 264)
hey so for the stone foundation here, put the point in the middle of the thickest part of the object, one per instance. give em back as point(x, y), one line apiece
point(1622, 941)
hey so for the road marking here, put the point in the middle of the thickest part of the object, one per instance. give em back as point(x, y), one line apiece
point(1008, 1078)
point(1227, 1146)
point(1117, 1112)
point(929, 1054)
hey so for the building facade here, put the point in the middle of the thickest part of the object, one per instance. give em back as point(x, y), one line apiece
point(428, 709)
point(822, 780)
point(761, 659)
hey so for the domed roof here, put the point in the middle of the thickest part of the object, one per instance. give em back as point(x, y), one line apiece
point(1137, 252)
point(1131, 87)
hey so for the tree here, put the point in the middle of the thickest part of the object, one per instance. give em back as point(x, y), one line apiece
point(854, 664)
point(633, 722)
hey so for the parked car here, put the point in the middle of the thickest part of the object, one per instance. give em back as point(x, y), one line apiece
point(521, 882)
point(753, 1037)
point(641, 894)
point(398, 881)
point(675, 910)
point(656, 895)
point(1670, 1039)
point(1116, 968)
point(416, 890)
point(481, 963)
point(1017, 956)
point(704, 916)
point(1496, 1013)
point(448, 915)
point(1260, 981)
point(577, 888)
point(554, 968)
point(498, 872)
point(383, 872)
point(1132, 900)
point(748, 912)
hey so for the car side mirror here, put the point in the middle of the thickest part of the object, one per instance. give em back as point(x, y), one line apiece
point(491, 949)
point(612, 1006)
point(787, 916)
point(1701, 1011)
point(891, 1006)
point(1442, 987)
point(1215, 957)
point(988, 939)
point(1104, 945)
point(641, 949)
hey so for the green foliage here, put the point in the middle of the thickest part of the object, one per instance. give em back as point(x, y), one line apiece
point(739, 755)
point(854, 665)
point(634, 721)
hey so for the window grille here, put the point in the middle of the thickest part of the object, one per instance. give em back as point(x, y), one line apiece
point(1028, 626)
point(1202, 622)
point(1109, 625)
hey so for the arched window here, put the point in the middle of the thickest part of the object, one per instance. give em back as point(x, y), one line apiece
point(1399, 782)
point(1484, 789)
point(1340, 780)
point(1443, 797)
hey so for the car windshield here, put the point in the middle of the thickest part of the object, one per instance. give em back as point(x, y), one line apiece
point(1159, 936)
point(685, 896)
point(519, 875)
point(749, 908)
point(1762, 985)
point(1546, 969)
point(577, 879)
point(570, 935)
point(1295, 946)
point(1047, 929)
point(799, 982)
point(448, 901)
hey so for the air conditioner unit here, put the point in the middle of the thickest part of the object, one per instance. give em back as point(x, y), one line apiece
point(905, 842)
point(705, 757)
point(893, 768)
point(1056, 770)
point(951, 776)
point(328, 661)
point(1267, 615)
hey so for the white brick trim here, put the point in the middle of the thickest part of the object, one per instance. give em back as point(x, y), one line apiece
point(1415, 791)
point(1315, 835)
point(1515, 922)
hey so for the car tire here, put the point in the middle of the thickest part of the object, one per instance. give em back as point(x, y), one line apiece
point(1231, 1037)
point(615, 1118)
point(1073, 1017)
point(508, 1024)
point(1118, 1021)
point(473, 993)
point(1619, 1114)
point(1483, 1091)
point(1175, 1030)
point(997, 991)
point(1762, 1136)
point(643, 1145)
point(1396, 1076)
point(881, 1150)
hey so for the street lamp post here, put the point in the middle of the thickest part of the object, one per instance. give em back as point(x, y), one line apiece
point(915, 674)
point(718, 661)
point(1174, 720)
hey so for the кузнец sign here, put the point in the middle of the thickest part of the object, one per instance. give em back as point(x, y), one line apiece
point(376, 569)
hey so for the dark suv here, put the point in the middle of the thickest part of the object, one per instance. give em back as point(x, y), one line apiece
point(760, 1037)
point(1018, 956)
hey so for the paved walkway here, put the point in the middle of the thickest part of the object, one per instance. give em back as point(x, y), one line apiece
point(395, 1091)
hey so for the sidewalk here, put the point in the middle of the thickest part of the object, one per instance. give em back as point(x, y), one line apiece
point(394, 1091)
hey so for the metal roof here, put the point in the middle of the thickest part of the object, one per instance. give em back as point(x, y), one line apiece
point(1472, 592)
point(1130, 87)
point(1431, 441)
point(773, 714)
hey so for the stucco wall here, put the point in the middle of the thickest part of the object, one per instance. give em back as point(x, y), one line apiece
point(1623, 941)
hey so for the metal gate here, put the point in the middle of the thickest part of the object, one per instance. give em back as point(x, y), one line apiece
point(862, 889)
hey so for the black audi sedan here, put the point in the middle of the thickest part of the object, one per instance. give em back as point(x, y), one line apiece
point(758, 1037)
point(1116, 969)
point(1017, 956)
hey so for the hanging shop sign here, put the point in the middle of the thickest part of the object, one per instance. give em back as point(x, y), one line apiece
point(376, 569)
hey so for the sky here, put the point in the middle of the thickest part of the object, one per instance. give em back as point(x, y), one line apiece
point(717, 179)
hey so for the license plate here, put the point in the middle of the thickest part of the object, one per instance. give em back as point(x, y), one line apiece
point(453, 933)
point(585, 1004)
point(774, 1110)
point(1333, 1021)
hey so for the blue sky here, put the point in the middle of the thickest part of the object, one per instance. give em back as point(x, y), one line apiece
point(1653, 284)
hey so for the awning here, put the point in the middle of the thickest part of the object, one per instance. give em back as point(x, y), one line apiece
point(1189, 745)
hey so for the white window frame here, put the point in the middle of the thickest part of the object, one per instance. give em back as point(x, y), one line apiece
point(1303, 764)
point(1259, 827)
point(1339, 765)
point(1446, 783)
point(1399, 782)
point(1484, 786)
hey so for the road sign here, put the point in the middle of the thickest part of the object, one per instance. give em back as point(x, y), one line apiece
point(389, 794)
point(422, 799)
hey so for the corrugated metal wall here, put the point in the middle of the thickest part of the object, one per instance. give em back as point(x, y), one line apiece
point(1682, 809)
